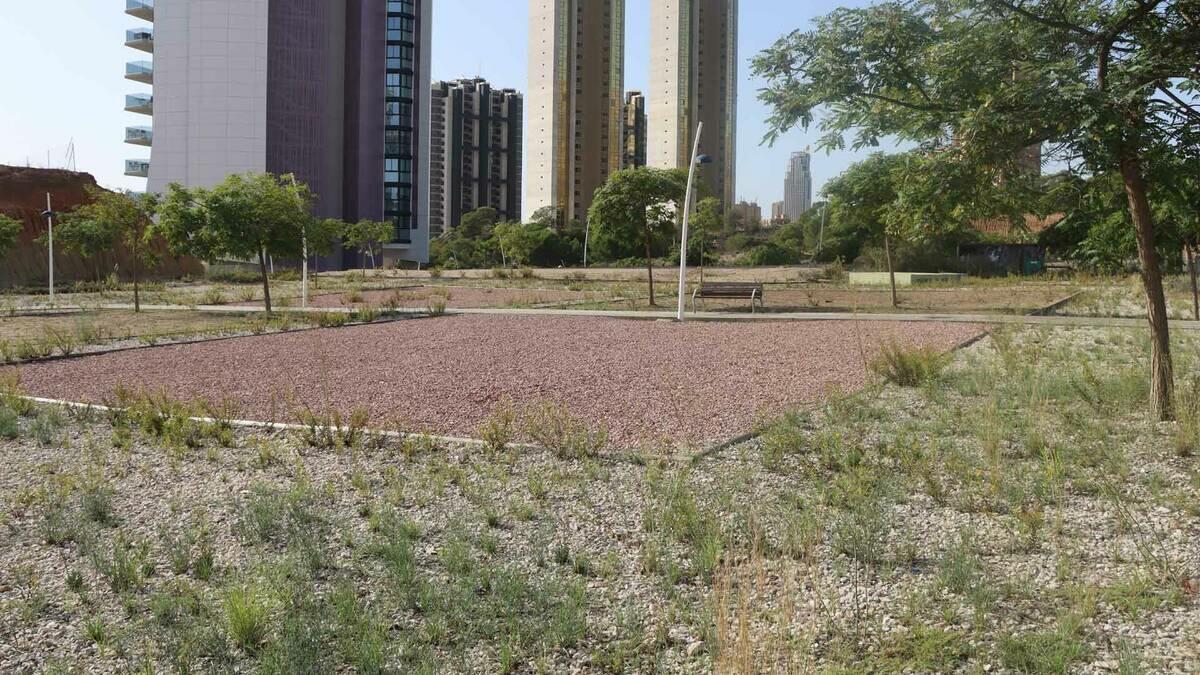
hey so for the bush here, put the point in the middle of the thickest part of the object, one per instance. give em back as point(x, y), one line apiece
point(9, 425)
point(909, 367)
point(247, 618)
point(552, 427)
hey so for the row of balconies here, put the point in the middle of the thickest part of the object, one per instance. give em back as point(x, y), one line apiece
point(141, 39)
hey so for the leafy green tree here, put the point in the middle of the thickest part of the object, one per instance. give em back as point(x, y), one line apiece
point(10, 230)
point(87, 233)
point(367, 237)
point(638, 205)
point(245, 216)
point(1109, 85)
point(113, 218)
point(864, 196)
point(478, 224)
point(519, 241)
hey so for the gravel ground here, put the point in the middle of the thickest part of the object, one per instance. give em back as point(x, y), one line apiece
point(457, 297)
point(642, 381)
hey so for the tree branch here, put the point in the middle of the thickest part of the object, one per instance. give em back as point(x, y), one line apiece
point(1185, 108)
point(1045, 21)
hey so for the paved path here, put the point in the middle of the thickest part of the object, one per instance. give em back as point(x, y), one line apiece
point(1005, 319)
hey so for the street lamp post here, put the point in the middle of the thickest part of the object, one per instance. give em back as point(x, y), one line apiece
point(697, 159)
point(49, 214)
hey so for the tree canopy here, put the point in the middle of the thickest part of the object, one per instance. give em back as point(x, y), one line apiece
point(247, 216)
point(636, 206)
point(109, 219)
point(9, 231)
point(1108, 86)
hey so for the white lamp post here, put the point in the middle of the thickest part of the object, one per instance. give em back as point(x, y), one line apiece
point(697, 159)
point(49, 214)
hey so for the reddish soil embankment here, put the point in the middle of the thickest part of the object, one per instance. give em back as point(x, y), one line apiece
point(23, 197)
point(644, 381)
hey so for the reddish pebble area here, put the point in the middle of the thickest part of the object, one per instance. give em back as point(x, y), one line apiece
point(455, 297)
point(646, 382)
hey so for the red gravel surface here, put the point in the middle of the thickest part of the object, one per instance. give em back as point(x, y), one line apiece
point(455, 297)
point(644, 381)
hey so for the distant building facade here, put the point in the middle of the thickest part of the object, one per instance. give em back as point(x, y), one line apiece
point(575, 100)
point(777, 217)
point(475, 152)
point(693, 79)
point(797, 187)
point(749, 214)
point(633, 131)
point(336, 93)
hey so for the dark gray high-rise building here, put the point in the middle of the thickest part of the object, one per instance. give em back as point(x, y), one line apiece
point(475, 152)
point(333, 91)
point(633, 143)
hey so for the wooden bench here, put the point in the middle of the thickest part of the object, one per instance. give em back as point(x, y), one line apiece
point(729, 290)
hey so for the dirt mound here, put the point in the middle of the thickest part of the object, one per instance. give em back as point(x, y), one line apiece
point(23, 197)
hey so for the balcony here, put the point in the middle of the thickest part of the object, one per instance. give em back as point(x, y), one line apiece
point(140, 71)
point(143, 104)
point(142, 9)
point(139, 136)
point(140, 38)
point(138, 168)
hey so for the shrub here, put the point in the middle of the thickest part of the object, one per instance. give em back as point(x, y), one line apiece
point(1045, 652)
point(909, 367)
point(9, 424)
point(247, 617)
point(436, 306)
point(96, 502)
point(497, 430)
point(48, 425)
point(552, 426)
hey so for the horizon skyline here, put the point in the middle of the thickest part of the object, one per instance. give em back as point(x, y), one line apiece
point(469, 40)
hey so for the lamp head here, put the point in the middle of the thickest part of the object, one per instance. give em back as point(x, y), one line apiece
point(704, 159)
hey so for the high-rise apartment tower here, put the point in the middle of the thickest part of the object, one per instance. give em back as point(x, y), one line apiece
point(576, 84)
point(693, 78)
point(475, 151)
point(797, 187)
point(334, 91)
point(634, 131)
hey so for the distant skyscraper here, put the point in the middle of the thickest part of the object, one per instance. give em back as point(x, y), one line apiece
point(576, 85)
point(693, 78)
point(797, 188)
point(777, 213)
point(475, 152)
point(334, 92)
point(633, 144)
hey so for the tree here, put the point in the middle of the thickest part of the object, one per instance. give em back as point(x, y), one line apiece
point(10, 230)
point(367, 236)
point(1109, 85)
point(88, 232)
point(113, 218)
point(478, 224)
point(519, 242)
point(639, 204)
point(245, 216)
point(864, 196)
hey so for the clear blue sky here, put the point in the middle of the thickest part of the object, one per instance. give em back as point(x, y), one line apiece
point(62, 78)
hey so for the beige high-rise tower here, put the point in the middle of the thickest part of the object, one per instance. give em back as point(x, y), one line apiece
point(693, 78)
point(575, 100)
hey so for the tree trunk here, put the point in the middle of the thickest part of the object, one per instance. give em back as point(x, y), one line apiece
point(650, 270)
point(1162, 379)
point(887, 251)
point(137, 273)
point(1191, 254)
point(266, 280)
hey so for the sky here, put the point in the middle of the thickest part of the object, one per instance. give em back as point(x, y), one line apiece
point(67, 84)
